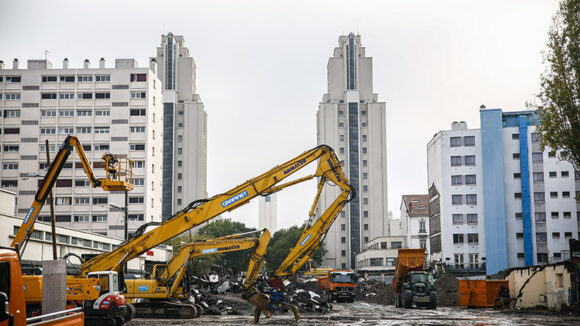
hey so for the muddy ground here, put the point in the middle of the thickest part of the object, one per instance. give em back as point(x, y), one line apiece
point(364, 313)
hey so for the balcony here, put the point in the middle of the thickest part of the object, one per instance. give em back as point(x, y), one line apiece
point(465, 268)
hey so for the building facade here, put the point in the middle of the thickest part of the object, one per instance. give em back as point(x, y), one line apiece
point(495, 194)
point(379, 258)
point(352, 121)
point(415, 221)
point(268, 213)
point(184, 127)
point(116, 110)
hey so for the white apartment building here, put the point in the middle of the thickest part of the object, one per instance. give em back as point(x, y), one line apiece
point(379, 257)
point(525, 206)
point(268, 212)
point(456, 219)
point(415, 221)
point(110, 109)
point(352, 121)
point(184, 127)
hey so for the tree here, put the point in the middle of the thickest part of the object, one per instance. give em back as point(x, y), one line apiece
point(281, 243)
point(559, 115)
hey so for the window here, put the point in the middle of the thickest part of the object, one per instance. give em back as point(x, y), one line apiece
point(553, 194)
point(471, 218)
point(365, 201)
point(99, 218)
point(469, 140)
point(455, 141)
point(82, 201)
point(567, 235)
point(557, 255)
point(541, 237)
point(469, 160)
point(66, 113)
point(515, 136)
point(521, 255)
point(457, 218)
point(10, 166)
point(179, 150)
point(457, 199)
point(555, 214)
point(551, 154)
point(84, 113)
point(341, 137)
point(136, 200)
point(456, 180)
point(365, 188)
point(365, 163)
point(138, 77)
point(137, 147)
point(555, 235)
point(48, 96)
point(62, 201)
point(458, 258)
point(341, 124)
point(542, 257)
point(470, 179)
point(422, 227)
point(396, 244)
point(471, 199)
point(82, 183)
point(567, 214)
point(343, 227)
point(365, 176)
point(136, 217)
point(365, 213)
point(519, 215)
point(11, 131)
point(364, 137)
point(138, 112)
point(83, 130)
point(565, 194)
point(455, 160)
point(11, 148)
point(516, 156)
point(538, 176)
point(343, 253)
point(363, 124)
point(518, 195)
point(13, 79)
point(11, 113)
point(12, 96)
point(539, 198)
point(366, 227)
point(66, 96)
point(340, 113)
point(101, 147)
point(138, 181)
point(138, 95)
point(48, 113)
point(537, 158)
point(458, 238)
point(179, 189)
point(179, 138)
point(519, 235)
point(67, 79)
point(100, 200)
point(102, 130)
point(138, 164)
point(517, 175)
point(49, 79)
point(535, 137)
point(341, 150)
point(565, 174)
point(102, 95)
point(84, 96)
point(138, 129)
point(179, 163)
point(85, 78)
point(102, 78)
point(472, 238)
point(102, 113)
point(364, 150)
point(9, 183)
point(65, 130)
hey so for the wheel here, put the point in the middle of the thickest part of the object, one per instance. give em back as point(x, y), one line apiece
point(432, 300)
point(407, 299)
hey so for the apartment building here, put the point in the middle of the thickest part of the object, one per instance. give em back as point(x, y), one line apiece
point(494, 194)
point(268, 212)
point(352, 121)
point(415, 221)
point(184, 127)
point(111, 110)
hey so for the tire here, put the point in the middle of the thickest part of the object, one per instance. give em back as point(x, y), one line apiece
point(407, 299)
point(432, 300)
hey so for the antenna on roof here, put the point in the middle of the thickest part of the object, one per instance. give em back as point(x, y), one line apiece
point(46, 52)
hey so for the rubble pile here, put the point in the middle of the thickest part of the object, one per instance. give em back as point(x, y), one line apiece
point(375, 292)
point(447, 291)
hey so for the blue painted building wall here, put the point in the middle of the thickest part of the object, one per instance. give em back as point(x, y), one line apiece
point(493, 190)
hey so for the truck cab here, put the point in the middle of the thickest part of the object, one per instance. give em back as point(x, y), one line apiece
point(338, 285)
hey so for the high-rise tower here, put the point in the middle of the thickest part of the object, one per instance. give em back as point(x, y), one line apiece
point(353, 122)
point(184, 127)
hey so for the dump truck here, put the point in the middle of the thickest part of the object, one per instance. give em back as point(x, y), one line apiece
point(411, 283)
point(12, 304)
point(338, 285)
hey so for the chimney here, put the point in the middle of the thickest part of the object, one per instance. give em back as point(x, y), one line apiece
point(102, 63)
point(1, 64)
point(87, 64)
point(153, 65)
point(15, 63)
point(65, 63)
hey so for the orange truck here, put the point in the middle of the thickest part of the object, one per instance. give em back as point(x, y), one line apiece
point(12, 301)
point(338, 285)
point(412, 285)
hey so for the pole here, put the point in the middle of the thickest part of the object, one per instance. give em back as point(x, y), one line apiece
point(51, 200)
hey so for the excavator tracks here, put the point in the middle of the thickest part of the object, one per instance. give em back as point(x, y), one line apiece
point(166, 309)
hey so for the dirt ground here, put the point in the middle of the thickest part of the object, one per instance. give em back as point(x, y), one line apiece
point(363, 313)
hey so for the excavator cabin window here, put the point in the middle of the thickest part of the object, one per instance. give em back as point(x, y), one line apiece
point(5, 278)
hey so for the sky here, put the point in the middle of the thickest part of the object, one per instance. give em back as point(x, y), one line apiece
point(261, 70)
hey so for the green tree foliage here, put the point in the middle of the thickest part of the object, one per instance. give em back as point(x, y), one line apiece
point(559, 116)
point(281, 243)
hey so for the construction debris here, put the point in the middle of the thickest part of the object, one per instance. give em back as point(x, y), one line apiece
point(447, 291)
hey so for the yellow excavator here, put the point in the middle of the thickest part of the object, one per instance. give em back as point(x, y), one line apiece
point(96, 287)
point(166, 293)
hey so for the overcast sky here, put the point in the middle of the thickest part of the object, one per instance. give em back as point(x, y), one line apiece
point(261, 69)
